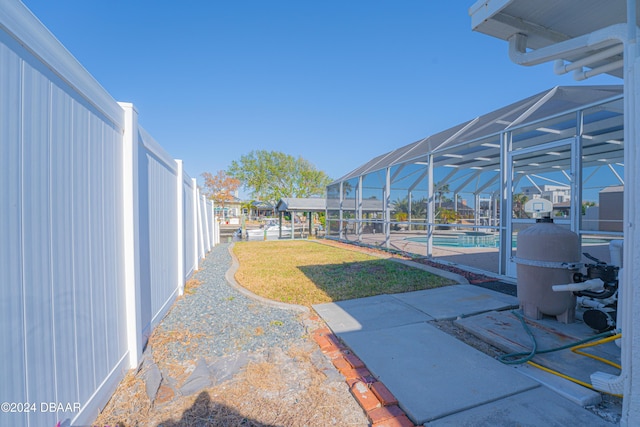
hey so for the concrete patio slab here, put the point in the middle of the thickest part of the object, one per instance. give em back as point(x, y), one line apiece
point(439, 380)
point(431, 373)
point(372, 313)
point(455, 301)
point(537, 407)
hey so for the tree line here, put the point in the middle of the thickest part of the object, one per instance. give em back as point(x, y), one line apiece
point(268, 176)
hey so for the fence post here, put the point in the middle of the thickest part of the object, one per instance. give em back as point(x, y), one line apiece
point(196, 253)
point(214, 222)
point(131, 244)
point(199, 228)
point(212, 227)
point(180, 225)
point(205, 220)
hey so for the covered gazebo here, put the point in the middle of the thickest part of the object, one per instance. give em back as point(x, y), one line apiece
point(305, 206)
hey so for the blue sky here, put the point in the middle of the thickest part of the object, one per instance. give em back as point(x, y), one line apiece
point(334, 81)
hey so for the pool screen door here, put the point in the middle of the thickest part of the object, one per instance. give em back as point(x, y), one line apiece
point(548, 171)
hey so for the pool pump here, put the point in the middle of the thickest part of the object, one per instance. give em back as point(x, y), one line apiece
point(601, 303)
point(597, 293)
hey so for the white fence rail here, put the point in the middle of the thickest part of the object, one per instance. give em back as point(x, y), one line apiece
point(99, 229)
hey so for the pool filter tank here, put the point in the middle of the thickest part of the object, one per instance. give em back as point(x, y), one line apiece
point(547, 255)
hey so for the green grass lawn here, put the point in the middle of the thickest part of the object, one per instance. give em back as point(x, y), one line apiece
point(306, 273)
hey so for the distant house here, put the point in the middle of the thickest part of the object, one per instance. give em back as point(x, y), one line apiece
point(259, 209)
point(562, 209)
point(554, 193)
point(231, 208)
point(464, 210)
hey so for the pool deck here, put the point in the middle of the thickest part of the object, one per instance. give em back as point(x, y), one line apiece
point(483, 259)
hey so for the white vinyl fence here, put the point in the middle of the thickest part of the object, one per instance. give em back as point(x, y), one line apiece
point(99, 229)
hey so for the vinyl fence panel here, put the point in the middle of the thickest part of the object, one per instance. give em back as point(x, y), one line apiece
point(100, 227)
point(61, 184)
point(158, 228)
point(12, 352)
point(190, 227)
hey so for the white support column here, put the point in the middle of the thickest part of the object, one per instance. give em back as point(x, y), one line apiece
point(630, 298)
point(409, 208)
point(431, 209)
point(631, 259)
point(359, 209)
point(576, 176)
point(505, 200)
point(130, 213)
point(180, 226)
point(476, 213)
point(387, 208)
point(341, 216)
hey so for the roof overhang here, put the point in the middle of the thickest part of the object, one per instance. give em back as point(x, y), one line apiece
point(586, 32)
point(292, 204)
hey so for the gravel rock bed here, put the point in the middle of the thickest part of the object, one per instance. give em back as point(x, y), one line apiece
point(220, 320)
point(223, 357)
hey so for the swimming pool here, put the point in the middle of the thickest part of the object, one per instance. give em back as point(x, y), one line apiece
point(479, 240)
point(461, 240)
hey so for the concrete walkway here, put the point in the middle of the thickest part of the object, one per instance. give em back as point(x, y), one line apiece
point(437, 379)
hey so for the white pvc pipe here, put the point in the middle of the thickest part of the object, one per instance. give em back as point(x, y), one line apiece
point(580, 75)
point(610, 383)
point(591, 285)
point(560, 67)
point(591, 303)
point(600, 39)
point(615, 250)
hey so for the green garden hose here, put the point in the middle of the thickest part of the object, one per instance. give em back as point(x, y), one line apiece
point(524, 357)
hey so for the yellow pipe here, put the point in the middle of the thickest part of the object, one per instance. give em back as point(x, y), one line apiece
point(594, 343)
point(576, 350)
point(567, 377)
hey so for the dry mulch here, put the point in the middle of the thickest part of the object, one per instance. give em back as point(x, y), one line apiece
point(296, 386)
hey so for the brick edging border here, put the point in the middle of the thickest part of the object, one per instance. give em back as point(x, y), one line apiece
point(378, 403)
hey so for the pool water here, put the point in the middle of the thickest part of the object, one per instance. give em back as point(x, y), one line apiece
point(462, 241)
